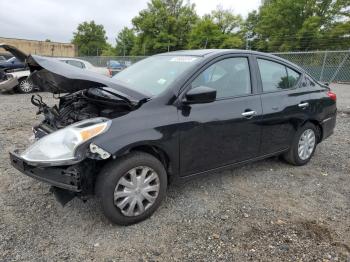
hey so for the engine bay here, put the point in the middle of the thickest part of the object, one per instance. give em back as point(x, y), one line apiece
point(78, 106)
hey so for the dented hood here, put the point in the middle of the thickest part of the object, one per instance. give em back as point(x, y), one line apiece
point(54, 76)
point(15, 52)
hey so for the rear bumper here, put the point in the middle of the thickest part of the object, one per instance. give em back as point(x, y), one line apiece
point(328, 126)
point(65, 177)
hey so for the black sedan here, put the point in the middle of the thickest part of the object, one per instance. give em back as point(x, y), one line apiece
point(168, 118)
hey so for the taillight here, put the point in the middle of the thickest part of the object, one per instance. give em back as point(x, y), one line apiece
point(332, 95)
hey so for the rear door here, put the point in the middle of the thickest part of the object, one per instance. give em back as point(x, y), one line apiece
point(227, 130)
point(285, 104)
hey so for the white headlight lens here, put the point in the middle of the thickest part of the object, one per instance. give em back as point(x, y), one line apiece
point(61, 145)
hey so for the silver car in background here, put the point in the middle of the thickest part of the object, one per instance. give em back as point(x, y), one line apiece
point(86, 65)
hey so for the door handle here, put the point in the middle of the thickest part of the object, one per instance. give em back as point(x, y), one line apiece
point(302, 105)
point(248, 113)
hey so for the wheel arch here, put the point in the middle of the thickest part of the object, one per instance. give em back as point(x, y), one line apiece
point(22, 78)
point(155, 151)
point(318, 126)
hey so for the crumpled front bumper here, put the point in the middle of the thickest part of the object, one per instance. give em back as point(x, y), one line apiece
point(65, 177)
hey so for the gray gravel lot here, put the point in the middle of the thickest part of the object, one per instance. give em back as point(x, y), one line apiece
point(268, 211)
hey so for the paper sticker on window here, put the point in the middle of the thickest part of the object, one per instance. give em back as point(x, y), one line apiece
point(161, 81)
point(183, 59)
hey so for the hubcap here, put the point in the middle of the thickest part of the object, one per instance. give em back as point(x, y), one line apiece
point(306, 144)
point(136, 191)
point(26, 86)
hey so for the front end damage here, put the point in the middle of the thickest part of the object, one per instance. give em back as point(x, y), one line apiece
point(64, 154)
point(67, 181)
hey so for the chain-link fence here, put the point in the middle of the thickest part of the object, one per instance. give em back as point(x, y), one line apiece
point(325, 66)
point(102, 61)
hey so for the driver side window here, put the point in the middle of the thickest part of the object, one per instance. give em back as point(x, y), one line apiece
point(230, 77)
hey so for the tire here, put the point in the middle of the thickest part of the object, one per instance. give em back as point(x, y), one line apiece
point(25, 86)
point(292, 156)
point(109, 182)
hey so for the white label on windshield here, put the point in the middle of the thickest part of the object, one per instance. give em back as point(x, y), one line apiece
point(183, 59)
point(161, 81)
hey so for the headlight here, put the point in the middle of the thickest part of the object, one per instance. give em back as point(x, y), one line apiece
point(61, 146)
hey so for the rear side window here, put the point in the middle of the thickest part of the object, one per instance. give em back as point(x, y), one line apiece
point(75, 63)
point(230, 77)
point(275, 76)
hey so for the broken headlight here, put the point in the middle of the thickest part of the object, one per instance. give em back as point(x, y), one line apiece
point(60, 147)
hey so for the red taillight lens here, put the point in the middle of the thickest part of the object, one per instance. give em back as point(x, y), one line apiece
point(332, 95)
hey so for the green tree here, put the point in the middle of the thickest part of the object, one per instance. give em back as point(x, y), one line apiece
point(285, 25)
point(249, 30)
point(108, 50)
point(125, 41)
point(220, 29)
point(164, 25)
point(90, 39)
point(227, 21)
point(205, 34)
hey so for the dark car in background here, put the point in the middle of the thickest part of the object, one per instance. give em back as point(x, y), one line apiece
point(115, 66)
point(11, 64)
point(168, 118)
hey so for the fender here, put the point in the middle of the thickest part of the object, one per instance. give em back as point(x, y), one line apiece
point(149, 127)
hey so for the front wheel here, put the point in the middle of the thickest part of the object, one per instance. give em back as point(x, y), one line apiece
point(131, 188)
point(304, 145)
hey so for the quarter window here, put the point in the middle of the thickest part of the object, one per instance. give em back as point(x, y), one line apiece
point(275, 76)
point(293, 77)
point(230, 77)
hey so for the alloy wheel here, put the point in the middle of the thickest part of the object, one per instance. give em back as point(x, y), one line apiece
point(306, 144)
point(26, 86)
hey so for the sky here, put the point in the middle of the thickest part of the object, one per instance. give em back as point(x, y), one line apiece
point(58, 19)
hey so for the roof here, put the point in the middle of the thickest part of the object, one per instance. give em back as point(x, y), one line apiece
point(206, 52)
point(210, 52)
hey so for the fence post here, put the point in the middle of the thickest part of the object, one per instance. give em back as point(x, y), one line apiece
point(324, 62)
point(339, 67)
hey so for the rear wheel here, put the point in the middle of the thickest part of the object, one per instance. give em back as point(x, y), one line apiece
point(131, 188)
point(25, 86)
point(304, 145)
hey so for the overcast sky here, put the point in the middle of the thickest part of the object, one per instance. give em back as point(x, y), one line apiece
point(57, 19)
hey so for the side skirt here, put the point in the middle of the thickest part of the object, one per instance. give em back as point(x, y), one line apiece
point(180, 179)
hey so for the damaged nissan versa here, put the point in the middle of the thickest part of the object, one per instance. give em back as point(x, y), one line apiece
point(167, 118)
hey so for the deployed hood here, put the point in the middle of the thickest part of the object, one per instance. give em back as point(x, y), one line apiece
point(15, 52)
point(55, 76)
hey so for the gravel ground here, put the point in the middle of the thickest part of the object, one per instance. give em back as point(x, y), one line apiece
point(267, 211)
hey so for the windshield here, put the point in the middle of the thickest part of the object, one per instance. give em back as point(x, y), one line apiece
point(154, 75)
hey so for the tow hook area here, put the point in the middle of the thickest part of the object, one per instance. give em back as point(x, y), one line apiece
point(62, 196)
point(99, 151)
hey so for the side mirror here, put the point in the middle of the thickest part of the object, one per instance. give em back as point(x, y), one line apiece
point(200, 95)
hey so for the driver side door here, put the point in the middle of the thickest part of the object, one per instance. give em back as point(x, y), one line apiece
point(225, 131)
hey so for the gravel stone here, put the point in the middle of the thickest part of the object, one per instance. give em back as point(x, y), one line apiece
point(229, 216)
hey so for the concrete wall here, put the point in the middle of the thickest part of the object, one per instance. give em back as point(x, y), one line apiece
point(40, 47)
